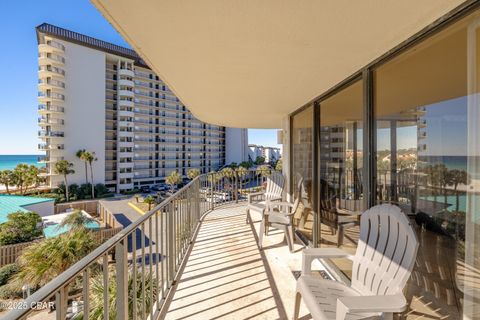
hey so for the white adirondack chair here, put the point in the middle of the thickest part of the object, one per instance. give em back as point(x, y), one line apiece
point(382, 264)
point(273, 192)
point(279, 215)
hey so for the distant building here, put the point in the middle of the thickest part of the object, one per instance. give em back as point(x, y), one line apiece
point(269, 153)
point(101, 97)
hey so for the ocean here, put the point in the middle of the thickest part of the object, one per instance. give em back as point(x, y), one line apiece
point(9, 162)
point(451, 162)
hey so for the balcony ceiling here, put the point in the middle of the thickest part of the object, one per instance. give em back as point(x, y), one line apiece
point(248, 63)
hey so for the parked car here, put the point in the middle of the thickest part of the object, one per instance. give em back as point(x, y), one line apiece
point(218, 197)
point(159, 187)
point(145, 189)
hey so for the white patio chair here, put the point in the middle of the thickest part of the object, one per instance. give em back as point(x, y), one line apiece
point(273, 192)
point(382, 264)
point(279, 215)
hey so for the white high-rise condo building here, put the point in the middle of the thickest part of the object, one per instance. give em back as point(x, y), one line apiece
point(269, 153)
point(101, 97)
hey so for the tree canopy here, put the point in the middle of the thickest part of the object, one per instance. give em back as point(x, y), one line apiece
point(20, 227)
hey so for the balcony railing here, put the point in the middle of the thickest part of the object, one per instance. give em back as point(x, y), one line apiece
point(56, 44)
point(141, 262)
point(52, 108)
point(44, 133)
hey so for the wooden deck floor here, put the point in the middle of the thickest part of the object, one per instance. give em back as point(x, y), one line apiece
point(228, 277)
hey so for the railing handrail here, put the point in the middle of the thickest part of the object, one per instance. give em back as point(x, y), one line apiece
point(65, 277)
point(174, 252)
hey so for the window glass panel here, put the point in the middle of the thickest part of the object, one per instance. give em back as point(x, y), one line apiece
point(427, 156)
point(302, 168)
point(341, 170)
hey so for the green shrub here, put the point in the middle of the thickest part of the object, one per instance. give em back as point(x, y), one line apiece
point(20, 227)
point(107, 195)
point(8, 292)
point(100, 189)
point(75, 191)
point(60, 189)
point(6, 272)
point(133, 191)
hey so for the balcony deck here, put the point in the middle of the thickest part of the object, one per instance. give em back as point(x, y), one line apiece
point(226, 275)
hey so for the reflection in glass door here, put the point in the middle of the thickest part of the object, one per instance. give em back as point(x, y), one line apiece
point(341, 170)
point(427, 163)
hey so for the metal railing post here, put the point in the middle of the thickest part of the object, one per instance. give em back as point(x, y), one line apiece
point(171, 245)
point(213, 191)
point(61, 303)
point(236, 187)
point(86, 293)
point(121, 268)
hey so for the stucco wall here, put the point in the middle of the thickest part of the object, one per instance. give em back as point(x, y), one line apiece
point(236, 148)
point(84, 109)
point(43, 208)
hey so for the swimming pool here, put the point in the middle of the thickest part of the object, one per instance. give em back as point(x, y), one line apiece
point(54, 230)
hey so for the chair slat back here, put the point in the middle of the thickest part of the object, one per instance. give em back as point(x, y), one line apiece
point(386, 251)
point(297, 195)
point(274, 187)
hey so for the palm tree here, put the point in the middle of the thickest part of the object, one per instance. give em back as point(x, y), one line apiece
point(263, 171)
point(76, 220)
point(193, 173)
point(64, 168)
point(241, 172)
point(138, 298)
point(457, 177)
point(173, 179)
point(33, 178)
point(228, 173)
point(81, 155)
point(279, 165)
point(90, 158)
point(7, 178)
point(46, 259)
point(149, 200)
point(21, 177)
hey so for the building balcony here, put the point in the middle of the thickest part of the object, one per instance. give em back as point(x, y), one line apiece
point(49, 159)
point(52, 97)
point(125, 82)
point(126, 93)
point(129, 164)
point(125, 124)
point(43, 122)
point(126, 134)
point(50, 147)
point(56, 59)
point(49, 83)
point(54, 109)
point(125, 113)
point(50, 71)
point(51, 46)
point(126, 73)
point(50, 134)
point(125, 103)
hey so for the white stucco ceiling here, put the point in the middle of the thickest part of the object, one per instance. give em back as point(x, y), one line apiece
point(248, 63)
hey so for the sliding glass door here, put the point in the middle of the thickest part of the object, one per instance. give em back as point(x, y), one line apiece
point(427, 134)
point(424, 124)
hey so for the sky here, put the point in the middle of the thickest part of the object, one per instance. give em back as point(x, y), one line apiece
point(18, 106)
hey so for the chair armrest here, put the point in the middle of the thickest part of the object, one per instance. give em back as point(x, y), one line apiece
point(279, 198)
point(366, 304)
point(310, 254)
point(348, 212)
point(283, 206)
point(255, 196)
